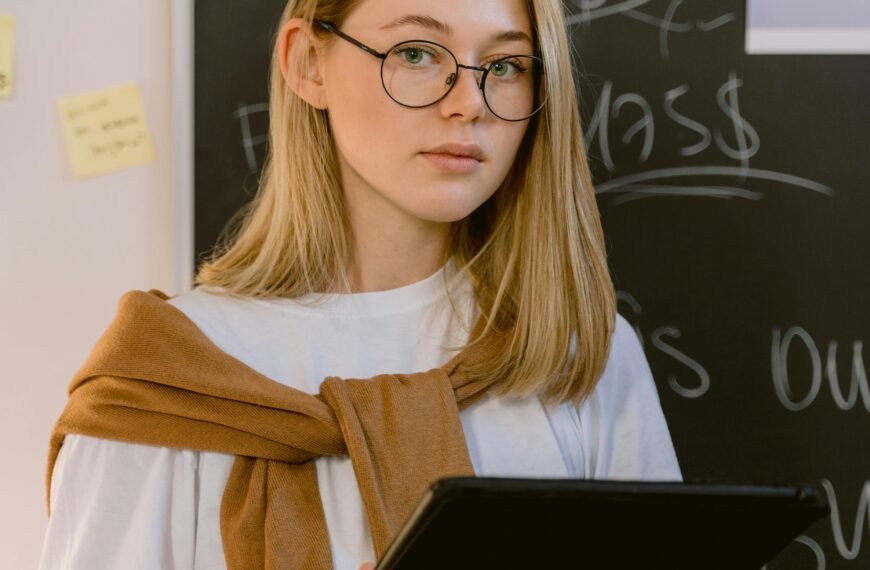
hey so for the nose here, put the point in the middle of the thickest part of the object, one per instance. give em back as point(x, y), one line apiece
point(465, 98)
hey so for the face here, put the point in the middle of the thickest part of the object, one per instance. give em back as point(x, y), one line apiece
point(382, 146)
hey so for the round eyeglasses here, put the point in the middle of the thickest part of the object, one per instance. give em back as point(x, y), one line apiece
point(419, 73)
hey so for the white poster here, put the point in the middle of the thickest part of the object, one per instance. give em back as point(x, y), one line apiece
point(808, 26)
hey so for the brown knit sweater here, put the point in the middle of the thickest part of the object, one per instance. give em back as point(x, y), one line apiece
point(154, 378)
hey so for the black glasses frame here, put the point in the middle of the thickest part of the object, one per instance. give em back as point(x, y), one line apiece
point(451, 79)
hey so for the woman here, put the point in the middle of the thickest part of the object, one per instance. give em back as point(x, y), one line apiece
point(426, 175)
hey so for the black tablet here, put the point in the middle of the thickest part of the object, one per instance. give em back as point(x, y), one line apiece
point(485, 522)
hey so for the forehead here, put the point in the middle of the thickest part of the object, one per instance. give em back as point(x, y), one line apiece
point(472, 18)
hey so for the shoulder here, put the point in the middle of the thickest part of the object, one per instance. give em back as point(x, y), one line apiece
point(626, 351)
point(212, 310)
point(632, 438)
point(627, 375)
point(234, 324)
point(203, 302)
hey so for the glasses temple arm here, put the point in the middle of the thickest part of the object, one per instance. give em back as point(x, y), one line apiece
point(331, 28)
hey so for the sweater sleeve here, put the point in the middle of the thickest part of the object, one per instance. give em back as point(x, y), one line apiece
point(628, 436)
point(121, 505)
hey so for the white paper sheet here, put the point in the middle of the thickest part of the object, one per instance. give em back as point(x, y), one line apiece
point(808, 26)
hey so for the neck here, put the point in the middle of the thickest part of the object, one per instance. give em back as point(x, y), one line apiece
point(391, 256)
point(391, 248)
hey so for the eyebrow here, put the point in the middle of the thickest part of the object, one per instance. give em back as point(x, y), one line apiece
point(438, 26)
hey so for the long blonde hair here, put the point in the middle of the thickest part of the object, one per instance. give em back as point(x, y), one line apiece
point(535, 251)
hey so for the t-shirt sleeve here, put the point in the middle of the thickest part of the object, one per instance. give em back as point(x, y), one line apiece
point(121, 505)
point(630, 438)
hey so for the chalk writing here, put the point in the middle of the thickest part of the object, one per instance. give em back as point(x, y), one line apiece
point(250, 142)
point(814, 548)
point(664, 49)
point(779, 355)
point(747, 144)
point(727, 98)
point(590, 10)
point(846, 552)
point(658, 338)
point(658, 341)
point(670, 97)
point(594, 9)
point(628, 184)
point(730, 105)
point(861, 513)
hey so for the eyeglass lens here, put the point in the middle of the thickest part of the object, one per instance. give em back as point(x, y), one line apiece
point(418, 74)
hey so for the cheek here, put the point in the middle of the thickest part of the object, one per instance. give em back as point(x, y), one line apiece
point(507, 139)
point(360, 111)
point(367, 147)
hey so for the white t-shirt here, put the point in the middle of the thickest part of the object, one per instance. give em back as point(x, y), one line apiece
point(123, 505)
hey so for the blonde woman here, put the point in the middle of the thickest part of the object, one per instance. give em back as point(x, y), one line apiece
point(426, 201)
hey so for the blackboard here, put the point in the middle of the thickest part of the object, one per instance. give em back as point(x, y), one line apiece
point(733, 189)
point(232, 54)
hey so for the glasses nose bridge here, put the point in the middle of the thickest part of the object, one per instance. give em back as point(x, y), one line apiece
point(455, 76)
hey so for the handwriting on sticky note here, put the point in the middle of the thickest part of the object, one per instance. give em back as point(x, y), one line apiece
point(7, 54)
point(105, 130)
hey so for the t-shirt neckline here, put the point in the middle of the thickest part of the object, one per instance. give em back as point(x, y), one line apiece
point(372, 303)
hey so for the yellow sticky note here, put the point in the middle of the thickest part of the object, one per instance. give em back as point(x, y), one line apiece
point(105, 130)
point(7, 54)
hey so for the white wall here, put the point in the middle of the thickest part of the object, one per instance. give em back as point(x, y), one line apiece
point(69, 248)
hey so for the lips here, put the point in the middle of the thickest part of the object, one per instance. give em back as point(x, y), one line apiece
point(458, 150)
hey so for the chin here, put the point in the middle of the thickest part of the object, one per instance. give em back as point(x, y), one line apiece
point(447, 211)
point(447, 218)
point(450, 204)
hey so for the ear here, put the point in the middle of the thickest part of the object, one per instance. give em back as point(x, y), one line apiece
point(300, 56)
